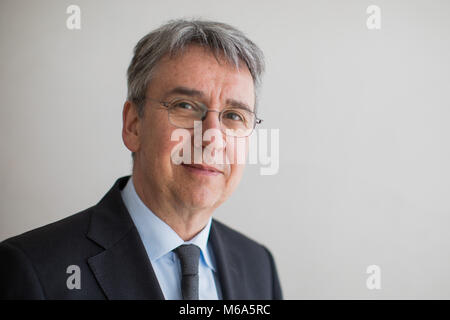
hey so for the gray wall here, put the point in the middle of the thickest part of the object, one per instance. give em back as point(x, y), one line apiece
point(363, 118)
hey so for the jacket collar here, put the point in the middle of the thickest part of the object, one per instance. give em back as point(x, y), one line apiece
point(228, 263)
point(124, 270)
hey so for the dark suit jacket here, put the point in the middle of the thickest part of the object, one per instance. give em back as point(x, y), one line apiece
point(105, 244)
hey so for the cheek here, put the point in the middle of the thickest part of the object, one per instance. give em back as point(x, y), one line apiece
point(236, 173)
point(163, 150)
point(237, 150)
point(156, 140)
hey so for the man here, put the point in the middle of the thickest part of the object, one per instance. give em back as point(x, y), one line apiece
point(152, 236)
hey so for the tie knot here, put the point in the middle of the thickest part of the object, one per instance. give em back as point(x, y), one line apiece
point(189, 255)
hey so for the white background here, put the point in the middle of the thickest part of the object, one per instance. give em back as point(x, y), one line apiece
point(363, 117)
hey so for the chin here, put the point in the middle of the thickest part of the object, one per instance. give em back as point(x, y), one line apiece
point(203, 198)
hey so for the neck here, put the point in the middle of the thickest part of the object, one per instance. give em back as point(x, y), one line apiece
point(186, 222)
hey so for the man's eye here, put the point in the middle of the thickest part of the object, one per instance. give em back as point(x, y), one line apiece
point(234, 116)
point(184, 105)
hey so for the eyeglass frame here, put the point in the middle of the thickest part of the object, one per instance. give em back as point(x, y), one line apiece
point(205, 109)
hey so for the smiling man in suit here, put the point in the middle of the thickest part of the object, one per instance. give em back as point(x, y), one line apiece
point(152, 236)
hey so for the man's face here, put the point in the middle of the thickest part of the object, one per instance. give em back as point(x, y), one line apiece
point(215, 84)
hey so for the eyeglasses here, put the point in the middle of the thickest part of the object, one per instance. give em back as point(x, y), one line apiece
point(234, 121)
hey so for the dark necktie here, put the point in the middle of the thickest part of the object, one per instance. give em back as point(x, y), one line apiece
point(189, 255)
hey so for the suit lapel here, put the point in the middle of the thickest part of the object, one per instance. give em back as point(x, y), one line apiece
point(227, 265)
point(123, 269)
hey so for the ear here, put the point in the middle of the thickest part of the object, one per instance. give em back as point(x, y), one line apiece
point(131, 127)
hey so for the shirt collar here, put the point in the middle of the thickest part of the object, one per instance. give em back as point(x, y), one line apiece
point(158, 237)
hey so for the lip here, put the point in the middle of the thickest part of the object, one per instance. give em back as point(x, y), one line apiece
point(202, 169)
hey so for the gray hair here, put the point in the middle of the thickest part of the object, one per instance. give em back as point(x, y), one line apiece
point(172, 37)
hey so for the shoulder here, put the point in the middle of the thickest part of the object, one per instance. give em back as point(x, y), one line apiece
point(57, 235)
point(51, 247)
point(254, 262)
point(69, 234)
point(34, 261)
point(238, 242)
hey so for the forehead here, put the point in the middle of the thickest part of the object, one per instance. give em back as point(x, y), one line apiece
point(198, 68)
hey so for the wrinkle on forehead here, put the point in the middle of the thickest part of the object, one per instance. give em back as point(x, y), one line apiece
point(216, 78)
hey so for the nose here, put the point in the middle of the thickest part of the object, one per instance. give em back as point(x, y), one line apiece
point(212, 122)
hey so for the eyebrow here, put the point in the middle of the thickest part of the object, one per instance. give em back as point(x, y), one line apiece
point(199, 94)
point(238, 104)
point(185, 91)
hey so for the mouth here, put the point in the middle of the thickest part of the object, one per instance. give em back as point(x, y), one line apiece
point(202, 169)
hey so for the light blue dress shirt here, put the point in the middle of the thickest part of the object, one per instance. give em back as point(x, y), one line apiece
point(160, 239)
